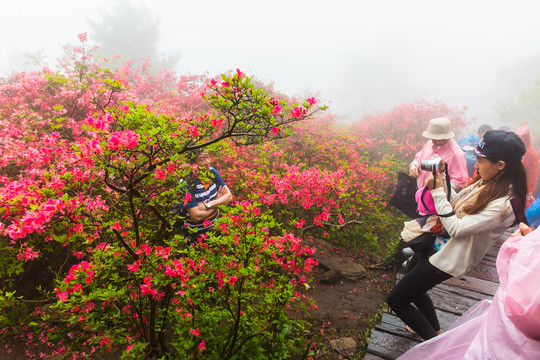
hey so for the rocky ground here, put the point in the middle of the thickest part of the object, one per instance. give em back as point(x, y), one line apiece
point(348, 298)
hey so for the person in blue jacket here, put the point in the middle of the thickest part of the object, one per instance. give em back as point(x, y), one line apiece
point(468, 145)
point(207, 191)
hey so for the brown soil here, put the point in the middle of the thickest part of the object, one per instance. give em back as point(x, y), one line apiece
point(348, 308)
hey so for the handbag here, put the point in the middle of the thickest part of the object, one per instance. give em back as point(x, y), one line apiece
point(427, 239)
point(422, 242)
point(403, 198)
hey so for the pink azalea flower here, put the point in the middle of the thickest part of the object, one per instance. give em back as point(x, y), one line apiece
point(63, 296)
point(297, 113)
point(195, 332)
point(131, 140)
point(105, 341)
point(275, 130)
point(276, 110)
point(160, 174)
point(116, 226)
point(194, 131)
point(216, 123)
point(147, 290)
point(201, 346)
point(187, 198)
point(134, 267)
point(113, 141)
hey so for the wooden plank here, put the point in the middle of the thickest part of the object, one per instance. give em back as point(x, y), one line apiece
point(389, 346)
point(450, 302)
point(486, 270)
point(390, 323)
point(493, 251)
point(464, 292)
point(474, 284)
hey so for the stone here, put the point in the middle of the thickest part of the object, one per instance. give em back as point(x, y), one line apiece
point(349, 270)
point(330, 277)
point(353, 271)
point(345, 346)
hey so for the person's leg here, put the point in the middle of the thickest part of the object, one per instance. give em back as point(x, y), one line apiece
point(424, 304)
point(412, 288)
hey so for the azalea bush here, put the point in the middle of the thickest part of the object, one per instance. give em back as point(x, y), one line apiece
point(91, 163)
point(222, 299)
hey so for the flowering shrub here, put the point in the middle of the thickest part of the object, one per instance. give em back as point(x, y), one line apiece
point(90, 163)
point(216, 303)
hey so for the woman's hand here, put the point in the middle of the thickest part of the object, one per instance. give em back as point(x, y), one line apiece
point(443, 166)
point(523, 230)
point(438, 177)
point(430, 180)
point(413, 170)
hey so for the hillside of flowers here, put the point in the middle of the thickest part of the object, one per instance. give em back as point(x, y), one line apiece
point(90, 164)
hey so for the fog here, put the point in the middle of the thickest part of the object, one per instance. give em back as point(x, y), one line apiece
point(359, 56)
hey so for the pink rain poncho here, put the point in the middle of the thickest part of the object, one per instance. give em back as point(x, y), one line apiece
point(505, 328)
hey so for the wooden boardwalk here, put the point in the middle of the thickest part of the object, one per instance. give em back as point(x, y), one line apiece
point(452, 298)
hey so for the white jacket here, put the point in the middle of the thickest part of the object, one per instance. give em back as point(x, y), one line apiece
point(472, 235)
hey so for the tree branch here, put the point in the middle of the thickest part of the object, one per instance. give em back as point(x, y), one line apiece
point(310, 227)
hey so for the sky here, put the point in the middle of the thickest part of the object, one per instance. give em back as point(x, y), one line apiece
point(358, 56)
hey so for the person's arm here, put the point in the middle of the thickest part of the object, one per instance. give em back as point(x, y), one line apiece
point(196, 210)
point(414, 169)
point(498, 213)
point(197, 214)
point(425, 153)
point(224, 196)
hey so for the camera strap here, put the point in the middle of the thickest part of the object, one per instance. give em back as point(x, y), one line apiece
point(448, 188)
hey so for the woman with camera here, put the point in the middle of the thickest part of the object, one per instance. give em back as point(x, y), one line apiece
point(482, 213)
point(506, 327)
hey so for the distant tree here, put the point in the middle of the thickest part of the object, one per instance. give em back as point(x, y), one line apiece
point(523, 103)
point(131, 32)
point(37, 59)
point(525, 107)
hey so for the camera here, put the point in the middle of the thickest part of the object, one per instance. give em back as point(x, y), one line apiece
point(432, 165)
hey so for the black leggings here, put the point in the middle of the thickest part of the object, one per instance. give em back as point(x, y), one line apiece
point(420, 277)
